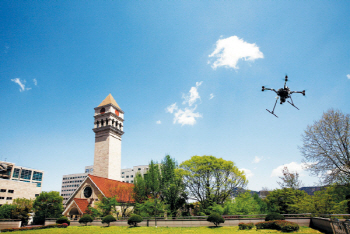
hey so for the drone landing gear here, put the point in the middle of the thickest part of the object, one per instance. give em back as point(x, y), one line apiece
point(292, 103)
point(273, 111)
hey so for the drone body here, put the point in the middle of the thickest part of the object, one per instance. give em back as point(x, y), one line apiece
point(283, 94)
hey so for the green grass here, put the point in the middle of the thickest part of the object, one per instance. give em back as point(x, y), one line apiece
point(163, 230)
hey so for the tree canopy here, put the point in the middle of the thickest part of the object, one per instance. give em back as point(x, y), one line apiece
point(326, 147)
point(289, 179)
point(47, 205)
point(211, 180)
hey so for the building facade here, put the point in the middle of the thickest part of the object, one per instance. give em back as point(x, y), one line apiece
point(128, 175)
point(72, 181)
point(19, 182)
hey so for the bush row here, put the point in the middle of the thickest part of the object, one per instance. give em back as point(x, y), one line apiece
point(245, 226)
point(35, 228)
point(282, 225)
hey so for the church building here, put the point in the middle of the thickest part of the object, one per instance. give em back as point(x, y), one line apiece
point(106, 178)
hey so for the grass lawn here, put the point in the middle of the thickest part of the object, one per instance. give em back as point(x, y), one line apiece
point(165, 230)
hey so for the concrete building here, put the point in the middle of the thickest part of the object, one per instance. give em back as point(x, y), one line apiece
point(71, 182)
point(19, 182)
point(129, 174)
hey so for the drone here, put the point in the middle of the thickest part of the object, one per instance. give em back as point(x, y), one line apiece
point(283, 94)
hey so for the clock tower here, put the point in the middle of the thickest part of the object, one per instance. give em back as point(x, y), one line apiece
point(108, 130)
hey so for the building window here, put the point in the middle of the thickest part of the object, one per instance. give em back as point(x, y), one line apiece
point(26, 174)
point(122, 172)
point(10, 191)
point(38, 176)
point(36, 195)
point(127, 181)
point(127, 176)
point(9, 198)
point(3, 190)
point(2, 198)
point(122, 176)
point(131, 176)
point(139, 169)
point(38, 184)
point(15, 173)
point(132, 181)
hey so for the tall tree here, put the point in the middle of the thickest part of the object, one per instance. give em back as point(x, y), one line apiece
point(326, 147)
point(23, 208)
point(140, 190)
point(211, 180)
point(289, 179)
point(47, 205)
point(107, 205)
point(153, 184)
point(172, 187)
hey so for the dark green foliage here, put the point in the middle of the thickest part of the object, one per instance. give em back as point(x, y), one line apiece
point(285, 201)
point(108, 219)
point(150, 208)
point(134, 220)
point(107, 205)
point(245, 226)
point(216, 219)
point(274, 216)
point(34, 228)
point(47, 205)
point(86, 219)
point(282, 225)
point(62, 220)
point(6, 211)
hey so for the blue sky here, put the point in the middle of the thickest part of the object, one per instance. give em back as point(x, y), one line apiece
point(60, 59)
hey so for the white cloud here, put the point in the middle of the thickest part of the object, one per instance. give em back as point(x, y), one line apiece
point(193, 95)
point(187, 116)
point(159, 122)
point(248, 173)
point(171, 108)
point(35, 82)
point(21, 84)
point(230, 50)
point(257, 159)
point(348, 76)
point(292, 167)
point(211, 96)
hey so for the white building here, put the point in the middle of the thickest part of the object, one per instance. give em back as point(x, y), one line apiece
point(129, 174)
point(19, 182)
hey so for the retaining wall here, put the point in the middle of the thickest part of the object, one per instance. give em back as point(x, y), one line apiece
point(7, 223)
point(322, 225)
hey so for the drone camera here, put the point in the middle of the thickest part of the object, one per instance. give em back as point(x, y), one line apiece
point(303, 92)
point(263, 88)
point(286, 78)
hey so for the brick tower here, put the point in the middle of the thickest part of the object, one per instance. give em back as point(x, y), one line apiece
point(108, 130)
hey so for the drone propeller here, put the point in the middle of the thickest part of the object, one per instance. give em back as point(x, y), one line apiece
point(263, 88)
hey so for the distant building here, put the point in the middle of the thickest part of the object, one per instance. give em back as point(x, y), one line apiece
point(18, 182)
point(129, 174)
point(72, 181)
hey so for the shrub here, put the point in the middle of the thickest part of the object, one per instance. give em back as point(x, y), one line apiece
point(86, 219)
point(108, 219)
point(216, 219)
point(274, 216)
point(282, 225)
point(34, 228)
point(245, 226)
point(134, 220)
point(62, 220)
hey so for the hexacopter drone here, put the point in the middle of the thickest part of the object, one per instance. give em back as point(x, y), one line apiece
point(283, 93)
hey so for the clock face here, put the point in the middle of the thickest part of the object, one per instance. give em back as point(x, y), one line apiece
point(117, 112)
point(87, 192)
point(102, 111)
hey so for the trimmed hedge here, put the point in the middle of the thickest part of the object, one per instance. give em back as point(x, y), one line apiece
point(62, 220)
point(108, 219)
point(86, 219)
point(216, 219)
point(35, 228)
point(282, 225)
point(245, 226)
point(274, 216)
point(134, 220)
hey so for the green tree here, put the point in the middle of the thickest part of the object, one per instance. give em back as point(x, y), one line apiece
point(107, 205)
point(140, 190)
point(47, 205)
point(289, 179)
point(243, 204)
point(153, 184)
point(326, 147)
point(150, 208)
point(285, 201)
point(172, 187)
point(211, 180)
point(6, 211)
point(331, 200)
point(108, 219)
point(86, 219)
point(261, 203)
point(22, 209)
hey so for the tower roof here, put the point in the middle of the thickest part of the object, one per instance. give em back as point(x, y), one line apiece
point(109, 100)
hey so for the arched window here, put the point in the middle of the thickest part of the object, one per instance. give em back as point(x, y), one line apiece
point(102, 111)
point(102, 122)
point(98, 124)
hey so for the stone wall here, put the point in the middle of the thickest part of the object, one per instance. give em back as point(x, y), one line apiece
point(5, 223)
point(321, 224)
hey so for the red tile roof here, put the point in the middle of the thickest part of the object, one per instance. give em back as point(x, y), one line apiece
point(123, 191)
point(82, 204)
